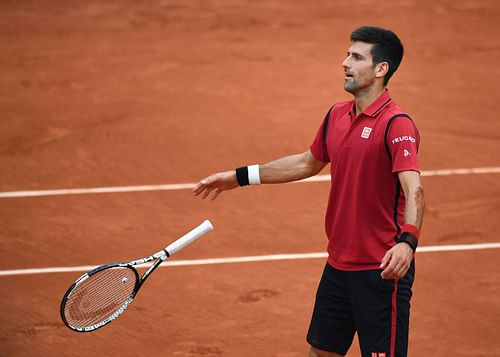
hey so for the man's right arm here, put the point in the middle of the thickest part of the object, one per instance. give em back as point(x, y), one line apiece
point(286, 169)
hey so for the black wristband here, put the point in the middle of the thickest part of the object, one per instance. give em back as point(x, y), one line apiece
point(408, 238)
point(242, 176)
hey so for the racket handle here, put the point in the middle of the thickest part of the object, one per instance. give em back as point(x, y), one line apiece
point(189, 237)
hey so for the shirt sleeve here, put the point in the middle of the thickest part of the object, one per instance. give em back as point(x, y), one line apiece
point(318, 147)
point(403, 142)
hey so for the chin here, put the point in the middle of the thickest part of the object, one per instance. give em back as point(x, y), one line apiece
point(350, 89)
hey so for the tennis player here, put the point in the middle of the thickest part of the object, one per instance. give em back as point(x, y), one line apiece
point(375, 207)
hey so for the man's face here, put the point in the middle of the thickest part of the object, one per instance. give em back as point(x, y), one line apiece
point(359, 71)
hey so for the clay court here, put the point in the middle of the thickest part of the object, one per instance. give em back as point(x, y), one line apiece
point(107, 94)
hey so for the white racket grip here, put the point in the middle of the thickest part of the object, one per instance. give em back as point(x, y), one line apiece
point(189, 237)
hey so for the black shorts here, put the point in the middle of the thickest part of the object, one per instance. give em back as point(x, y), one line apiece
point(361, 301)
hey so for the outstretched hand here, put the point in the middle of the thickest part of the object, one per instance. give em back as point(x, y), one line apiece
point(215, 184)
point(396, 261)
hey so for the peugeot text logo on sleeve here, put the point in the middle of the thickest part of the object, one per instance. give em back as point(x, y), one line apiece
point(403, 138)
point(366, 132)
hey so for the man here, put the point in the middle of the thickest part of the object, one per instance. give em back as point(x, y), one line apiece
point(375, 207)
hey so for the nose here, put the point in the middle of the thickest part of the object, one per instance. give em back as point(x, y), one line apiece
point(345, 63)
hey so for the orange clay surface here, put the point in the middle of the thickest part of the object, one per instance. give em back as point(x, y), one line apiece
point(114, 93)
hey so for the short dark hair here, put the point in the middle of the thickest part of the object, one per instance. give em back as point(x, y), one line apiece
point(387, 47)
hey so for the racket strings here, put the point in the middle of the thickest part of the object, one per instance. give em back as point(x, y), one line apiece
point(99, 296)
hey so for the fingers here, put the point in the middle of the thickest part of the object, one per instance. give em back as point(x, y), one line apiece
point(205, 191)
point(392, 272)
point(386, 259)
point(201, 186)
point(395, 268)
point(206, 186)
point(216, 194)
point(396, 261)
point(208, 191)
point(214, 184)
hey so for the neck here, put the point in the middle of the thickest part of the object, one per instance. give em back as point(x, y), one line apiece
point(367, 96)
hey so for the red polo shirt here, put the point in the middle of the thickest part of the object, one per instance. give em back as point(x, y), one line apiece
point(366, 202)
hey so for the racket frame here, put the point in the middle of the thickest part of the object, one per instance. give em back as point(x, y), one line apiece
point(159, 258)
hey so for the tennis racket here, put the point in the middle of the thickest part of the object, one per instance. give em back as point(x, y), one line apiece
point(104, 293)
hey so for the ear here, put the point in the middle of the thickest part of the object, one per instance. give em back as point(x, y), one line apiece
point(381, 69)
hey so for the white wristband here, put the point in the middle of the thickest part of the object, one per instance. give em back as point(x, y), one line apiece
point(253, 175)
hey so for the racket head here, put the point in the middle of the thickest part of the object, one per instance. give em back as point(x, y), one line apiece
point(99, 296)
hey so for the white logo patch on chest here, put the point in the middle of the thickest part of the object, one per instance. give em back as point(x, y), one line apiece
point(365, 134)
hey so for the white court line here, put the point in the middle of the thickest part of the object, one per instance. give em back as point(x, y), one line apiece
point(248, 259)
point(185, 186)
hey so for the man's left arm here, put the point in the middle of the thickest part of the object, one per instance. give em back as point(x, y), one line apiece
point(397, 260)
